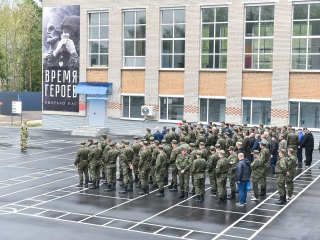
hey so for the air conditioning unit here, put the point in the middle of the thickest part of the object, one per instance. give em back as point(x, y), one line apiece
point(148, 111)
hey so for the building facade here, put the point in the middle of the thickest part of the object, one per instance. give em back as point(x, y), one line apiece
point(236, 61)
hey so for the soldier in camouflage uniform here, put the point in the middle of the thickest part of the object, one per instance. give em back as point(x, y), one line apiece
point(186, 137)
point(136, 146)
point(234, 137)
point(293, 141)
point(110, 160)
point(148, 135)
point(90, 147)
point(261, 129)
point(257, 173)
point(265, 158)
point(191, 135)
point(144, 168)
point(200, 138)
point(126, 165)
point(151, 147)
point(154, 155)
point(198, 170)
point(222, 128)
point(193, 156)
point(174, 170)
point(184, 163)
point(24, 135)
point(167, 150)
point(282, 172)
point(291, 164)
point(175, 136)
point(94, 160)
point(81, 163)
point(204, 152)
point(221, 141)
point(168, 137)
point(103, 145)
point(233, 161)
point(212, 163)
point(185, 125)
point(160, 169)
point(120, 148)
point(222, 175)
point(211, 140)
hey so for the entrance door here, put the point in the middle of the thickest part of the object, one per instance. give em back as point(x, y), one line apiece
point(97, 112)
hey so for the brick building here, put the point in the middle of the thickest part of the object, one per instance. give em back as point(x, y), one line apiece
point(238, 61)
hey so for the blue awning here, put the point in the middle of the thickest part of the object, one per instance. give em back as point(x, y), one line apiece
point(94, 88)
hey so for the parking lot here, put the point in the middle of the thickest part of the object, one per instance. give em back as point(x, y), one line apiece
point(39, 200)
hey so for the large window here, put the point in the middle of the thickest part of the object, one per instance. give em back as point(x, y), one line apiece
point(98, 39)
point(171, 108)
point(259, 28)
point(306, 37)
point(134, 36)
point(173, 38)
point(256, 112)
point(212, 110)
point(214, 41)
point(131, 106)
point(305, 114)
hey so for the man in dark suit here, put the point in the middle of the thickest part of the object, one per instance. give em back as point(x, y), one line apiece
point(308, 143)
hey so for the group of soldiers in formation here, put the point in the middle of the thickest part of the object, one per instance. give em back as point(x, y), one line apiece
point(189, 154)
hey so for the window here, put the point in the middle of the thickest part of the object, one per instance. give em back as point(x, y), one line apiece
point(256, 112)
point(213, 110)
point(306, 37)
point(98, 39)
point(171, 108)
point(259, 28)
point(214, 40)
point(305, 114)
point(134, 39)
point(132, 106)
point(173, 38)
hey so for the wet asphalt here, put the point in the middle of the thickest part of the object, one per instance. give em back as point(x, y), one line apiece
point(39, 200)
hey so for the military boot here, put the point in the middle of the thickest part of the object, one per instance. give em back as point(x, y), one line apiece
point(198, 200)
point(138, 185)
point(192, 191)
point(202, 197)
point(109, 189)
point(98, 184)
point(93, 186)
point(232, 195)
point(86, 185)
point(120, 178)
point(165, 181)
point(151, 181)
point(285, 198)
point(136, 178)
point(224, 199)
point(280, 201)
point(130, 188)
point(142, 192)
point(185, 195)
point(262, 192)
point(79, 185)
point(220, 201)
point(124, 190)
point(147, 190)
point(160, 193)
point(114, 186)
point(174, 188)
point(121, 183)
point(181, 195)
point(171, 185)
point(155, 186)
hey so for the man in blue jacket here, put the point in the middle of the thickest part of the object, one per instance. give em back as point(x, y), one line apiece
point(157, 135)
point(256, 145)
point(299, 152)
point(243, 174)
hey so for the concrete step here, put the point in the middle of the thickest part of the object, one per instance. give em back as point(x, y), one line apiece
point(88, 131)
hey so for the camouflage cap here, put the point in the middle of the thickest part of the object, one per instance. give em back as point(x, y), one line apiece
point(194, 125)
point(148, 129)
point(222, 152)
point(210, 130)
point(143, 139)
point(201, 144)
point(163, 141)
point(104, 136)
point(173, 128)
point(145, 143)
point(201, 124)
point(263, 144)
point(151, 138)
point(261, 125)
point(182, 139)
point(212, 148)
point(160, 147)
point(201, 131)
point(235, 129)
point(167, 129)
point(95, 142)
point(305, 128)
point(174, 142)
point(126, 142)
point(285, 127)
point(240, 127)
point(217, 145)
point(245, 125)
point(282, 151)
point(192, 145)
point(289, 125)
point(83, 143)
point(239, 134)
point(214, 125)
point(279, 129)
point(231, 148)
point(156, 142)
point(227, 133)
point(199, 152)
point(293, 129)
point(112, 144)
point(184, 121)
point(184, 132)
point(220, 134)
point(273, 135)
point(90, 140)
point(268, 128)
point(255, 127)
point(181, 128)
point(184, 149)
point(223, 122)
point(123, 140)
point(255, 152)
point(136, 138)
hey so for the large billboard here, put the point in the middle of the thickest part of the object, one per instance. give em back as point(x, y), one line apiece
point(61, 43)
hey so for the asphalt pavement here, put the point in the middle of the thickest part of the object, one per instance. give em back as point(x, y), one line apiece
point(39, 200)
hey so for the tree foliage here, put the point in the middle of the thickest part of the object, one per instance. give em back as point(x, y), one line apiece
point(20, 45)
